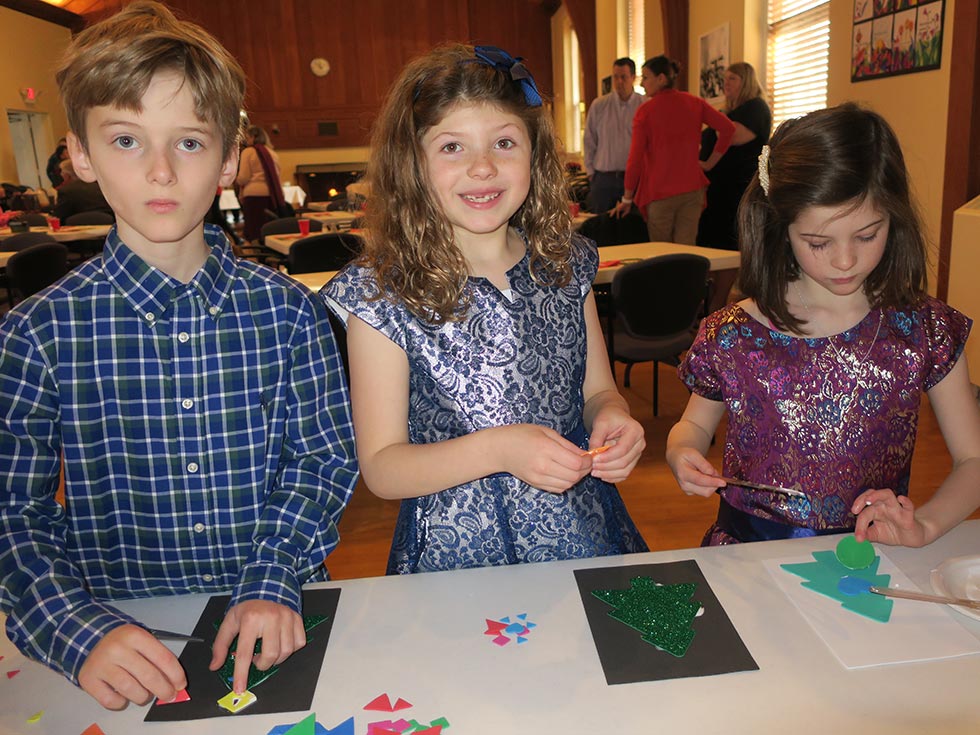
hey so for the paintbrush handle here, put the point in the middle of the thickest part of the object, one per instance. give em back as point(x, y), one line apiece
point(923, 597)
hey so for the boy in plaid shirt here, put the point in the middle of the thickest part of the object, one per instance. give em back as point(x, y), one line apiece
point(195, 402)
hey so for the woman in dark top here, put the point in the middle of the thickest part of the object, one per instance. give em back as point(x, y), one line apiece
point(728, 179)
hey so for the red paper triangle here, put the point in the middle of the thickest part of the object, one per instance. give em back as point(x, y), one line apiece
point(12, 674)
point(494, 627)
point(401, 704)
point(93, 729)
point(381, 703)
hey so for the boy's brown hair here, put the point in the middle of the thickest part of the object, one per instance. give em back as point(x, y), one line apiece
point(112, 63)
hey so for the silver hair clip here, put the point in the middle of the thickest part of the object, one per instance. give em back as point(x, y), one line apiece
point(764, 169)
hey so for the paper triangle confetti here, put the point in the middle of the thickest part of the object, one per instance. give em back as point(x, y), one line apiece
point(93, 729)
point(12, 674)
point(401, 704)
point(344, 728)
point(181, 696)
point(306, 726)
point(381, 703)
point(35, 717)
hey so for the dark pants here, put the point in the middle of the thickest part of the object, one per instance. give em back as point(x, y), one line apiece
point(605, 189)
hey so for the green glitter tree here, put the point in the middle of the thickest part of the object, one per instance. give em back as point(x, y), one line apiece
point(663, 613)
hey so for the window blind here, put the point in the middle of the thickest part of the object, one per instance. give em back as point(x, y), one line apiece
point(798, 57)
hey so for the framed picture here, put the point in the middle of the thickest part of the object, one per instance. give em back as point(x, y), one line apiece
point(892, 37)
point(714, 57)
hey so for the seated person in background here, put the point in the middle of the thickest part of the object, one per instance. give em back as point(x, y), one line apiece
point(75, 195)
point(194, 401)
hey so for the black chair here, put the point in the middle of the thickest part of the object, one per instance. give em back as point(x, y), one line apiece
point(93, 217)
point(286, 226)
point(605, 229)
point(330, 251)
point(25, 240)
point(656, 305)
point(34, 219)
point(35, 268)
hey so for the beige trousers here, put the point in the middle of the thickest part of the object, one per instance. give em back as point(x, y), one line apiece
point(675, 219)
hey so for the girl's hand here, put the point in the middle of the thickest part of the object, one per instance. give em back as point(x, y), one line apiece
point(893, 517)
point(693, 472)
point(614, 427)
point(542, 457)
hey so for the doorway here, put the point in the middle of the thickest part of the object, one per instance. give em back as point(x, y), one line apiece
point(31, 139)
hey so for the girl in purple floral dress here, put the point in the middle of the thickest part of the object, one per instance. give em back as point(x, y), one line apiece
point(821, 368)
point(479, 380)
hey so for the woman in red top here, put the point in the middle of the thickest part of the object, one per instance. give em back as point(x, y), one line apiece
point(663, 175)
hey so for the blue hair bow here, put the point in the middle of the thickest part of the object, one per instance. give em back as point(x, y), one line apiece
point(502, 61)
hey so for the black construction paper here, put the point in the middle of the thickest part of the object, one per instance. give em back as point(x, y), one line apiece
point(717, 647)
point(290, 690)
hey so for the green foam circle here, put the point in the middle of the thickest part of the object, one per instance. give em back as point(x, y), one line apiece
point(855, 555)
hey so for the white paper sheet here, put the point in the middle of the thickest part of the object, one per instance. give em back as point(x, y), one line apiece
point(916, 631)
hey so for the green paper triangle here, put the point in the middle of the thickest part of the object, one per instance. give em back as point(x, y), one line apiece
point(306, 726)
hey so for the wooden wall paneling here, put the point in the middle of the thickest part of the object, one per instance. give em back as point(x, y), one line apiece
point(521, 29)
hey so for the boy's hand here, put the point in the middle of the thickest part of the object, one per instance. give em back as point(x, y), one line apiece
point(280, 629)
point(130, 665)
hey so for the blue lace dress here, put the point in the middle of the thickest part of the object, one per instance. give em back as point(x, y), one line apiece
point(510, 360)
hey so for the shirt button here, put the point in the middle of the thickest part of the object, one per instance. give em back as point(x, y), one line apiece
point(213, 310)
point(150, 316)
point(192, 467)
point(207, 577)
point(198, 527)
point(183, 337)
point(187, 403)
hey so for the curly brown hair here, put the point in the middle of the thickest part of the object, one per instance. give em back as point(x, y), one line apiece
point(409, 241)
point(828, 158)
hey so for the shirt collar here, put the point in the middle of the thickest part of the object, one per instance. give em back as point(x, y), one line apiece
point(150, 291)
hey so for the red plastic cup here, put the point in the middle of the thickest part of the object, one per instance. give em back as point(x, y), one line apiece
point(54, 223)
point(304, 227)
point(574, 208)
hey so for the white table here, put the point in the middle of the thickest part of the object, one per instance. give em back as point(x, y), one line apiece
point(293, 195)
point(66, 233)
point(421, 638)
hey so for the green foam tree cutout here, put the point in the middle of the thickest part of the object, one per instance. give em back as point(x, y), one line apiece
point(824, 573)
point(256, 677)
point(662, 613)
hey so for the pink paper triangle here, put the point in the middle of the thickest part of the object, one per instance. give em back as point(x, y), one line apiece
point(381, 703)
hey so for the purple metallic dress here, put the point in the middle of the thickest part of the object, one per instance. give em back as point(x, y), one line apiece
point(832, 416)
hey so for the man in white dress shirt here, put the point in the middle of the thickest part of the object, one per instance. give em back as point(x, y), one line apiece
point(608, 129)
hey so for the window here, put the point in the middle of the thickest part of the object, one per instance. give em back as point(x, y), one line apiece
point(635, 29)
point(798, 57)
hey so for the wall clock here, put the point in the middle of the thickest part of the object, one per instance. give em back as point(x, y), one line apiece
point(320, 66)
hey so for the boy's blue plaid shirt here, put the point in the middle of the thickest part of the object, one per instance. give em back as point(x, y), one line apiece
point(207, 444)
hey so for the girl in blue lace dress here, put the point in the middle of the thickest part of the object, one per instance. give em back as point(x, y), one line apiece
point(822, 367)
point(479, 377)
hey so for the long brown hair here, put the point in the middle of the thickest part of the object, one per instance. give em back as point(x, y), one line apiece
point(830, 158)
point(409, 240)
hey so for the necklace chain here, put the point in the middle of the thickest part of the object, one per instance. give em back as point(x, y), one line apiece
point(830, 339)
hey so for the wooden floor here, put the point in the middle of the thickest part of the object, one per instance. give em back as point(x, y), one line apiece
point(667, 518)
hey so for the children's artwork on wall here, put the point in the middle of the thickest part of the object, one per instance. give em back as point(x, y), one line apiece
point(891, 37)
point(714, 58)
